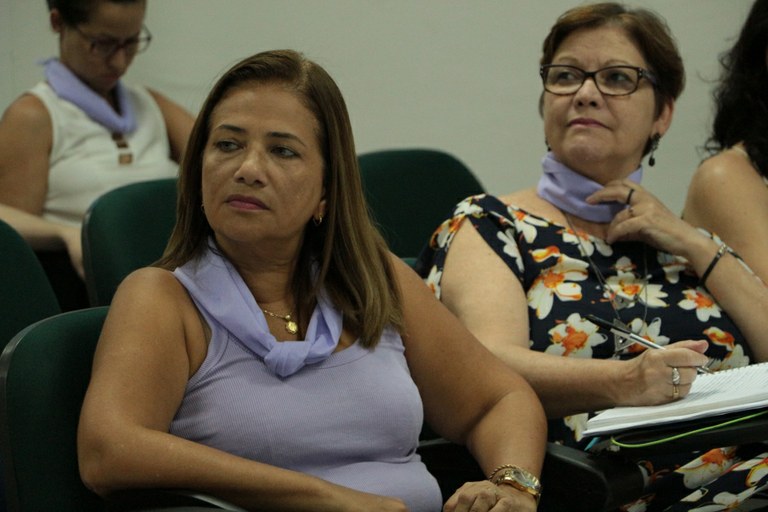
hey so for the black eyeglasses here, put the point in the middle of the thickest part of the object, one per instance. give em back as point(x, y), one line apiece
point(105, 47)
point(611, 81)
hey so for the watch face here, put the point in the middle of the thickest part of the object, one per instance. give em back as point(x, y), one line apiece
point(525, 478)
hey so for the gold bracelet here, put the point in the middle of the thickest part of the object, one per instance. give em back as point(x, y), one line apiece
point(503, 466)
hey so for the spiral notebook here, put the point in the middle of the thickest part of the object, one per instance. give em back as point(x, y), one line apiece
point(723, 392)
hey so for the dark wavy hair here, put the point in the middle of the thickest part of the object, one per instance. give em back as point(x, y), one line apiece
point(741, 98)
point(75, 12)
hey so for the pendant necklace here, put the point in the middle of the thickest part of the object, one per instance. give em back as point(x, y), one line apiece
point(290, 325)
point(620, 343)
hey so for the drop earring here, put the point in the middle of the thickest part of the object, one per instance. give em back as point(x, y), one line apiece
point(654, 146)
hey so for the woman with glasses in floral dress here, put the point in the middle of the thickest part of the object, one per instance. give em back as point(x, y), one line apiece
point(523, 271)
point(82, 131)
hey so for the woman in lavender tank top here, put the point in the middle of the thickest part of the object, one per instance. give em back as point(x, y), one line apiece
point(279, 356)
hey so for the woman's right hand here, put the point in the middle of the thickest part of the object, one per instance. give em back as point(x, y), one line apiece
point(485, 496)
point(649, 379)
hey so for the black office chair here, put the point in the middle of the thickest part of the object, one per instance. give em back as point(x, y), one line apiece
point(26, 295)
point(123, 230)
point(411, 191)
point(44, 372)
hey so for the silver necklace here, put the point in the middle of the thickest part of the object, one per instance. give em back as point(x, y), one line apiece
point(617, 303)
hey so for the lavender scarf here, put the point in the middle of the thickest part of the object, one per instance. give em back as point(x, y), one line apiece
point(67, 86)
point(568, 190)
point(218, 288)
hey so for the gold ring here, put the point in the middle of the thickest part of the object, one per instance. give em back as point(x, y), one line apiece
point(675, 391)
point(629, 195)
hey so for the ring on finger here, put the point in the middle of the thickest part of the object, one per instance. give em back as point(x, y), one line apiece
point(675, 391)
point(629, 195)
point(675, 376)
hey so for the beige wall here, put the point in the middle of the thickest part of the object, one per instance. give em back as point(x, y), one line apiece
point(456, 75)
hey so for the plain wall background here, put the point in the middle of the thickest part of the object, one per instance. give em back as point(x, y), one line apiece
point(461, 76)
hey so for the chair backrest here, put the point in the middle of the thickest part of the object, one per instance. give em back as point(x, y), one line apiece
point(26, 295)
point(123, 230)
point(410, 191)
point(44, 372)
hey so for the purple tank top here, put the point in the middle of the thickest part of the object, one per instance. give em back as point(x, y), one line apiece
point(352, 419)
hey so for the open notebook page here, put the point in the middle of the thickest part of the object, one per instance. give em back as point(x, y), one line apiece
point(721, 392)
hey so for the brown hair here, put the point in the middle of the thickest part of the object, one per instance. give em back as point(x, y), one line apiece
point(75, 12)
point(350, 257)
point(647, 30)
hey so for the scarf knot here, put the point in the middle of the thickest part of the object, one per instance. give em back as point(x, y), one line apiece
point(568, 190)
point(217, 287)
point(69, 87)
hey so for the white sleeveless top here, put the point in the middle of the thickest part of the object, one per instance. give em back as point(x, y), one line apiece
point(85, 160)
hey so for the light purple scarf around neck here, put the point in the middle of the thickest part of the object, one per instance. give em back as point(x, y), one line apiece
point(67, 86)
point(217, 287)
point(568, 190)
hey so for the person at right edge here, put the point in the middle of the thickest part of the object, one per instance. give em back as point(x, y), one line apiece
point(523, 271)
point(728, 194)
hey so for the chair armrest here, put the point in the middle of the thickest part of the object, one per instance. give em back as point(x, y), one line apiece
point(578, 481)
point(158, 500)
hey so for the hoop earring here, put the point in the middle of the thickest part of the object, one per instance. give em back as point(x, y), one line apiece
point(654, 146)
point(318, 220)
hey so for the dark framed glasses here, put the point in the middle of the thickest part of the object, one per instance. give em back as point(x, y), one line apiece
point(611, 81)
point(105, 47)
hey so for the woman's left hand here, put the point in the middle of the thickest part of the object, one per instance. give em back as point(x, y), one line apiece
point(645, 219)
point(486, 496)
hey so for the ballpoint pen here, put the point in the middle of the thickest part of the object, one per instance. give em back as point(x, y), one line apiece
point(627, 334)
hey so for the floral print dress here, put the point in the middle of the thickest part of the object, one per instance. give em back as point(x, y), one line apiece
point(656, 294)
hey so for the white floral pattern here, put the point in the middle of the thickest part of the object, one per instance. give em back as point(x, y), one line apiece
point(557, 281)
point(700, 301)
point(574, 338)
point(660, 299)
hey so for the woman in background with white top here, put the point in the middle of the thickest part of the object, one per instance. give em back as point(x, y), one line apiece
point(82, 131)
